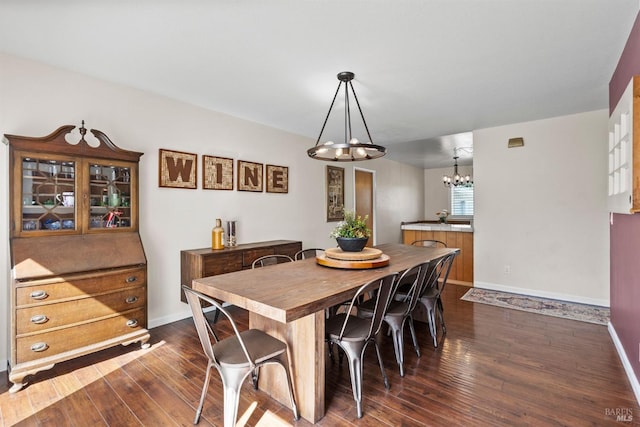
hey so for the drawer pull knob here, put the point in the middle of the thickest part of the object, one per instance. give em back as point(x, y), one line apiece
point(39, 295)
point(39, 346)
point(132, 323)
point(39, 319)
point(131, 279)
point(131, 300)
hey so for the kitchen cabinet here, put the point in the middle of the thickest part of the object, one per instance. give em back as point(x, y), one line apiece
point(78, 268)
point(462, 269)
point(624, 152)
point(205, 262)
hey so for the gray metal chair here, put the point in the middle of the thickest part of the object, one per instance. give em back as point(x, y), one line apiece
point(435, 281)
point(307, 253)
point(400, 309)
point(352, 334)
point(235, 357)
point(266, 260)
point(429, 243)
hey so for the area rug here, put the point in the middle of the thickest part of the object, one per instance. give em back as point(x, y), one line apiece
point(546, 306)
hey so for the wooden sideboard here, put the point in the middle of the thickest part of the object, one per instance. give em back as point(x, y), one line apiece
point(205, 262)
point(462, 268)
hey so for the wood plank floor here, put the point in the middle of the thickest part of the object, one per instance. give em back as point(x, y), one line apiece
point(494, 367)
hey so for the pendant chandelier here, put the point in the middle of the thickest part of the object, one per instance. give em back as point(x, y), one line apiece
point(351, 149)
point(457, 180)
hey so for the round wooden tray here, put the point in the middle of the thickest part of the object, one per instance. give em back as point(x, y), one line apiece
point(381, 261)
point(363, 255)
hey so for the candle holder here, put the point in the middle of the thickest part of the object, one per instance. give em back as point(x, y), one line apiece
point(231, 233)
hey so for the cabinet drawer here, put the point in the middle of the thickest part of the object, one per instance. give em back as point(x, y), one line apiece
point(47, 316)
point(74, 286)
point(251, 255)
point(220, 263)
point(48, 344)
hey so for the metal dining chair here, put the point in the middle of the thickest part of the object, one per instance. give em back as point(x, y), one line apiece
point(266, 260)
point(235, 357)
point(430, 297)
point(307, 253)
point(400, 309)
point(429, 243)
point(352, 334)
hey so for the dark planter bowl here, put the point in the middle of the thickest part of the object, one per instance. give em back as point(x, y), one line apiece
point(352, 244)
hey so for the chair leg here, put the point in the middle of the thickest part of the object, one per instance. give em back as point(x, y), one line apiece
point(232, 382)
point(384, 374)
point(398, 343)
point(414, 337)
point(284, 362)
point(441, 313)
point(354, 355)
point(432, 327)
point(204, 393)
point(254, 377)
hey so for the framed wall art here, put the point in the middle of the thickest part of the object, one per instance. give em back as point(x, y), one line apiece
point(249, 176)
point(277, 179)
point(335, 193)
point(217, 173)
point(177, 169)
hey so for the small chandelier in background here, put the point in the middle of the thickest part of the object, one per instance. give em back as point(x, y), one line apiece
point(351, 149)
point(457, 180)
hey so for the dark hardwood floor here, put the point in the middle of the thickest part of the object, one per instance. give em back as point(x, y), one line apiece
point(494, 367)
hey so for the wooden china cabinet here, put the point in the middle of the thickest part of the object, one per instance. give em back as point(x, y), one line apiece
point(78, 268)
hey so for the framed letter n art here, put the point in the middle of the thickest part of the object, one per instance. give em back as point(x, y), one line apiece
point(249, 176)
point(178, 169)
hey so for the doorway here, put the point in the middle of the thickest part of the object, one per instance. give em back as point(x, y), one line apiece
point(365, 199)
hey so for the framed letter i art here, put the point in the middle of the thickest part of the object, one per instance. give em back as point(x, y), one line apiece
point(217, 173)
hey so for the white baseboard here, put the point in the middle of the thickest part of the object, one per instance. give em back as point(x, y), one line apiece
point(635, 385)
point(542, 294)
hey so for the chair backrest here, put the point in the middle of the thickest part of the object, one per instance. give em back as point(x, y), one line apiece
point(438, 272)
point(266, 260)
point(307, 253)
point(416, 278)
point(383, 288)
point(203, 326)
point(429, 243)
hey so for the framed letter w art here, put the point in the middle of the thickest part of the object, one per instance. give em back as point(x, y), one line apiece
point(178, 169)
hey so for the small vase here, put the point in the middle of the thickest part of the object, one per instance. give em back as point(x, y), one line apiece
point(352, 244)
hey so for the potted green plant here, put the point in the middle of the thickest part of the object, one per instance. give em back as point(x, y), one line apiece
point(352, 233)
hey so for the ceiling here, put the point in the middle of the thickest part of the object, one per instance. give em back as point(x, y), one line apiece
point(424, 68)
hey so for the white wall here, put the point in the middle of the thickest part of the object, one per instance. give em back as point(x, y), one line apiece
point(36, 99)
point(541, 209)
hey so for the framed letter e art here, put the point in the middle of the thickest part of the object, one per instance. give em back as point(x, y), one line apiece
point(277, 179)
point(178, 169)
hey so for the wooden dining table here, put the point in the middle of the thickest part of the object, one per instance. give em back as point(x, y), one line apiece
point(288, 301)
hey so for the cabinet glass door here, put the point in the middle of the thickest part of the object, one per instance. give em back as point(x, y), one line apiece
point(109, 196)
point(48, 194)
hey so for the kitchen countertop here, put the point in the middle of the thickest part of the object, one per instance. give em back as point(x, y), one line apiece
point(428, 226)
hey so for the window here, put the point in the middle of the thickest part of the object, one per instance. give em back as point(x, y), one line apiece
point(462, 201)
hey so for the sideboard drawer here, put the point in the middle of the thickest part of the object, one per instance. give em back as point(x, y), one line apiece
point(47, 316)
point(253, 254)
point(73, 286)
point(37, 346)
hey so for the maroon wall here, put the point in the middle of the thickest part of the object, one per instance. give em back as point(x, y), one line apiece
point(625, 230)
